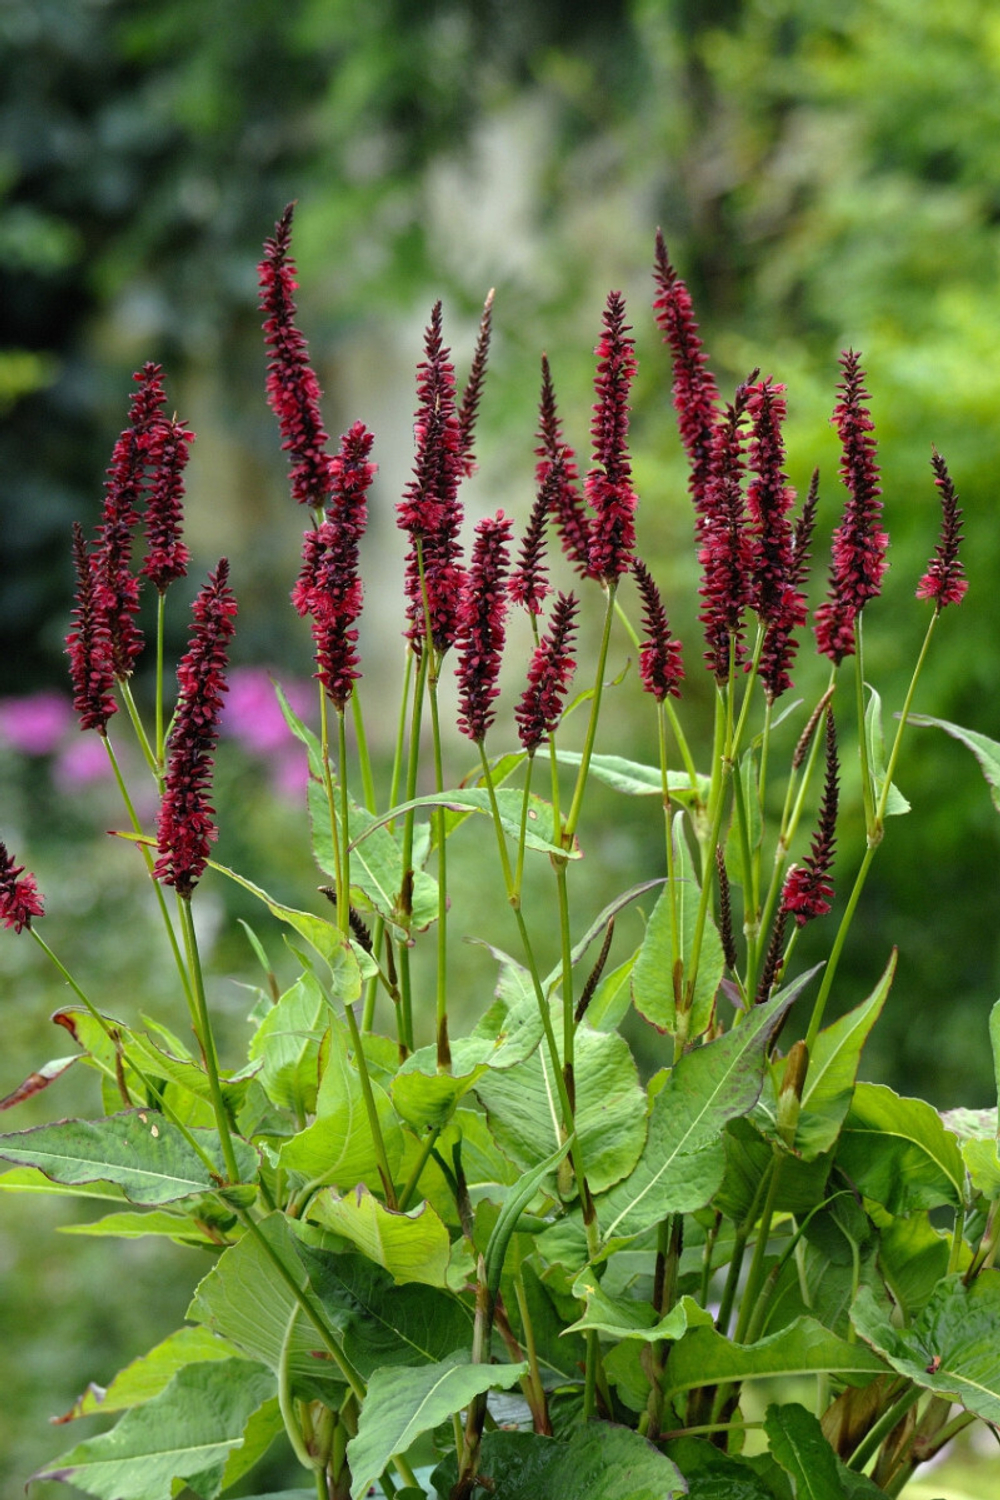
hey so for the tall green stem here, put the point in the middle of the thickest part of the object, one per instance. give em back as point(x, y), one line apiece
point(206, 1039)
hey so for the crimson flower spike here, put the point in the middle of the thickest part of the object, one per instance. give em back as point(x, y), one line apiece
point(726, 551)
point(329, 587)
point(430, 510)
point(481, 626)
point(185, 826)
point(19, 896)
point(695, 393)
point(89, 646)
point(166, 555)
point(780, 644)
point(556, 458)
point(529, 583)
point(945, 581)
point(469, 410)
point(608, 485)
point(859, 542)
point(116, 592)
point(293, 391)
point(808, 888)
point(549, 676)
point(660, 667)
point(780, 605)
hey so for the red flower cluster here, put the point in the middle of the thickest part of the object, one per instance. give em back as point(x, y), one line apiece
point(19, 895)
point(329, 587)
point(660, 667)
point(808, 888)
point(184, 826)
point(780, 645)
point(726, 551)
point(859, 543)
point(777, 567)
point(430, 510)
point(529, 583)
point(608, 485)
point(481, 626)
point(696, 395)
point(549, 676)
point(89, 645)
point(469, 409)
point(557, 470)
point(945, 581)
point(166, 555)
point(292, 388)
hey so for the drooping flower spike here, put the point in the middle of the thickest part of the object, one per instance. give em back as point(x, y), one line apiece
point(481, 626)
point(660, 667)
point(859, 542)
point(167, 556)
point(293, 392)
point(329, 588)
point(945, 581)
point(695, 393)
point(549, 676)
point(469, 410)
point(19, 895)
point(726, 551)
point(808, 888)
point(556, 458)
point(608, 485)
point(430, 510)
point(185, 827)
point(89, 645)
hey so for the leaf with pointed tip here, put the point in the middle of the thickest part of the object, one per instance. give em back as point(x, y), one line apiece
point(287, 1044)
point(624, 1318)
point(895, 803)
point(376, 863)
point(898, 1152)
point(37, 1081)
point(187, 1433)
point(403, 1403)
point(986, 751)
point(32, 1180)
point(411, 1246)
point(635, 780)
point(599, 1461)
point(327, 939)
point(705, 1357)
point(510, 801)
point(653, 975)
point(797, 1442)
point(145, 1154)
point(126, 1226)
point(151, 1373)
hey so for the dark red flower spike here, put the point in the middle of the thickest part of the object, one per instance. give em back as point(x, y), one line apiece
point(608, 486)
point(557, 459)
point(780, 604)
point(726, 551)
point(89, 645)
point(808, 888)
point(528, 584)
point(19, 896)
point(945, 581)
point(696, 395)
point(481, 626)
point(780, 644)
point(549, 676)
point(469, 409)
point(166, 555)
point(660, 667)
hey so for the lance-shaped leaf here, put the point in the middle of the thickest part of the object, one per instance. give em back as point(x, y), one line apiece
point(951, 1345)
point(598, 1462)
point(151, 1373)
point(510, 802)
point(986, 751)
point(624, 1318)
point(403, 1403)
point(652, 977)
point(411, 1246)
point(376, 862)
point(705, 1357)
point(797, 1442)
point(636, 780)
point(146, 1155)
point(683, 1160)
point(898, 1152)
point(287, 1044)
point(895, 803)
point(326, 938)
point(188, 1433)
point(125, 1226)
point(31, 1180)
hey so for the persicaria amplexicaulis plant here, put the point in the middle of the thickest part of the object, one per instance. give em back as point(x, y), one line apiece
point(409, 1202)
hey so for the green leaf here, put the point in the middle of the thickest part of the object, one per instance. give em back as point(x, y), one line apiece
point(636, 780)
point(516, 1201)
point(797, 1442)
point(898, 1152)
point(913, 1256)
point(598, 1462)
point(146, 1155)
point(186, 1433)
point(705, 1357)
point(338, 1147)
point(151, 1373)
point(510, 801)
point(683, 1160)
point(610, 1001)
point(624, 1318)
point(982, 1162)
point(287, 1044)
point(326, 938)
point(986, 751)
point(31, 1180)
point(523, 1108)
point(713, 1475)
point(126, 1226)
point(376, 863)
point(896, 803)
point(950, 1347)
point(403, 1403)
point(412, 1247)
point(652, 978)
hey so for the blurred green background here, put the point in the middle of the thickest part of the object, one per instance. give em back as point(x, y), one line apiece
point(824, 178)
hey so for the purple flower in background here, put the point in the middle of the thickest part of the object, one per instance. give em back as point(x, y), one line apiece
point(252, 714)
point(34, 725)
point(82, 763)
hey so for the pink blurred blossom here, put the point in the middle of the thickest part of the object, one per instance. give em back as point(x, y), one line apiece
point(34, 724)
point(252, 715)
point(83, 762)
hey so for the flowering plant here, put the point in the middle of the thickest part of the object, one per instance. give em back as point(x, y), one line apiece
point(500, 1259)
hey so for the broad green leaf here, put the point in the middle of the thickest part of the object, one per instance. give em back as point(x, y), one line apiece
point(287, 1044)
point(682, 1162)
point(412, 1247)
point(986, 751)
point(524, 1115)
point(127, 1226)
point(895, 802)
point(797, 1442)
point(188, 1076)
point(383, 1324)
point(598, 1462)
point(265, 1424)
point(898, 1152)
point(625, 1318)
point(636, 780)
point(403, 1403)
point(706, 1357)
point(325, 937)
point(338, 1148)
point(538, 833)
point(151, 1373)
point(714, 1475)
point(376, 862)
point(982, 1162)
point(187, 1432)
point(31, 1180)
point(829, 1085)
point(749, 1156)
point(246, 1300)
point(951, 1345)
point(146, 1155)
point(652, 977)
point(913, 1256)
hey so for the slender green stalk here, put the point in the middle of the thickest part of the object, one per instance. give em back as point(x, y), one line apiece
point(364, 755)
point(125, 688)
point(755, 1277)
point(206, 1039)
point(344, 906)
point(866, 770)
point(370, 1108)
point(441, 996)
point(338, 864)
point(160, 746)
point(576, 804)
point(885, 1424)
